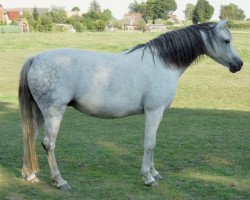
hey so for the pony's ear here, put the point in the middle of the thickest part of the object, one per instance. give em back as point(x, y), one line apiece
point(222, 24)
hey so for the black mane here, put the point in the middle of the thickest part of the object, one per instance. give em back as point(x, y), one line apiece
point(180, 47)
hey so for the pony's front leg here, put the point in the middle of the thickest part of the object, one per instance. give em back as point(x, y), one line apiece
point(53, 118)
point(152, 121)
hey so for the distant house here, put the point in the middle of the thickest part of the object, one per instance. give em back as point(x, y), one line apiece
point(1, 12)
point(4, 19)
point(14, 14)
point(131, 21)
point(8, 15)
point(175, 21)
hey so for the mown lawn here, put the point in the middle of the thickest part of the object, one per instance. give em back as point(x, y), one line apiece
point(203, 143)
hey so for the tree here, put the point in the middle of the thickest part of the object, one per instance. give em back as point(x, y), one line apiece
point(203, 11)
point(75, 9)
point(134, 6)
point(160, 9)
point(154, 9)
point(35, 14)
point(27, 15)
point(231, 12)
point(166, 8)
point(139, 8)
point(95, 19)
point(94, 5)
point(189, 11)
point(107, 15)
point(58, 14)
point(46, 23)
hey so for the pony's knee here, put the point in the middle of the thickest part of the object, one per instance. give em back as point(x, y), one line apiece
point(149, 147)
point(47, 145)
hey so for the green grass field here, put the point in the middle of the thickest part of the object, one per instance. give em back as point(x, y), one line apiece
point(203, 143)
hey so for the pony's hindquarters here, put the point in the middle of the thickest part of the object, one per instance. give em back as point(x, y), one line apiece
point(31, 120)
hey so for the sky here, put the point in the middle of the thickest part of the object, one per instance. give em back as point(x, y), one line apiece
point(119, 7)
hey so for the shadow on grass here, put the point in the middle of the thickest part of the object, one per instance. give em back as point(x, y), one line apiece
point(202, 154)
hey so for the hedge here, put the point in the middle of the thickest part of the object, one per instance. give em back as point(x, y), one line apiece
point(10, 29)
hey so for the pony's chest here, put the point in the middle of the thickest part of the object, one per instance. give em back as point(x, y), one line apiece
point(161, 92)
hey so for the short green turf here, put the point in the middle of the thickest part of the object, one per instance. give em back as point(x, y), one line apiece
point(203, 142)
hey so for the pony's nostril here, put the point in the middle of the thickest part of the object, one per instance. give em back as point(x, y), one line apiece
point(241, 64)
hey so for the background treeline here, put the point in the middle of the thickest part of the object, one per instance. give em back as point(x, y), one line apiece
point(203, 11)
point(95, 19)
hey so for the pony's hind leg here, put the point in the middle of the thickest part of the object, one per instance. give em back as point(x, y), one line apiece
point(53, 117)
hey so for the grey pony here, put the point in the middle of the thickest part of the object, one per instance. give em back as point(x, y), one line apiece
point(142, 80)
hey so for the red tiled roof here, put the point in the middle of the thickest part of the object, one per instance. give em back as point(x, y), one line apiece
point(14, 15)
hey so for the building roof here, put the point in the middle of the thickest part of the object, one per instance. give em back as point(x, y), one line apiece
point(175, 20)
point(14, 15)
point(132, 19)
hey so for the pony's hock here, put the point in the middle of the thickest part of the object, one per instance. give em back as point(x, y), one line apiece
point(141, 80)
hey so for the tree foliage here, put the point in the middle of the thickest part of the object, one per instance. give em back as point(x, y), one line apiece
point(203, 11)
point(46, 23)
point(231, 12)
point(154, 9)
point(139, 8)
point(95, 19)
point(160, 9)
point(189, 11)
point(38, 22)
point(94, 5)
point(35, 13)
point(75, 9)
point(58, 14)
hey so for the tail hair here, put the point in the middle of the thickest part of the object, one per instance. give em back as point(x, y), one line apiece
point(28, 109)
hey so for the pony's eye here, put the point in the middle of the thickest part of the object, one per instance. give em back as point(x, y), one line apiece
point(227, 41)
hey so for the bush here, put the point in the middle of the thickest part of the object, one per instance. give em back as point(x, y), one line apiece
point(117, 24)
point(46, 23)
point(142, 25)
point(234, 25)
point(79, 27)
point(169, 24)
point(89, 23)
point(100, 25)
point(10, 29)
point(58, 28)
point(76, 22)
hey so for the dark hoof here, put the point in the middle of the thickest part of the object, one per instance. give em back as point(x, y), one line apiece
point(64, 187)
point(158, 177)
point(151, 184)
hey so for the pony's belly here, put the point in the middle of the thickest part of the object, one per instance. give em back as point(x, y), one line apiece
point(107, 109)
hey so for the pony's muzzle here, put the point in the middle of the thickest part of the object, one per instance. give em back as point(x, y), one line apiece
point(235, 67)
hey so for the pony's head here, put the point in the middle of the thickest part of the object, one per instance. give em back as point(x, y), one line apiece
point(218, 43)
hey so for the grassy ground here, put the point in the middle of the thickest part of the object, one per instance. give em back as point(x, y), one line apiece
point(203, 143)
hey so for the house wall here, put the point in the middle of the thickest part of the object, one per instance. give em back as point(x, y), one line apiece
point(1, 13)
